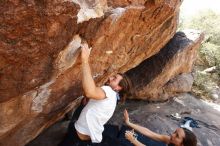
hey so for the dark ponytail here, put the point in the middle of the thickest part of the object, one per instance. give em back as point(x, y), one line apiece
point(190, 138)
point(127, 88)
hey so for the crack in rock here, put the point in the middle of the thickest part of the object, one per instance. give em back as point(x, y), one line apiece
point(43, 93)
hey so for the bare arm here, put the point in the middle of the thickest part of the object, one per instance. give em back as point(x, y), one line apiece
point(146, 131)
point(89, 86)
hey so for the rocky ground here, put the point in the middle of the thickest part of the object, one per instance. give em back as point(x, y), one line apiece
point(157, 117)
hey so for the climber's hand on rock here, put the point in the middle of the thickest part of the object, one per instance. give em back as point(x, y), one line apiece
point(85, 52)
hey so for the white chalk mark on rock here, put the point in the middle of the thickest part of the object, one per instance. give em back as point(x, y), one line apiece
point(43, 93)
point(90, 9)
point(117, 13)
point(68, 56)
point(97, 75)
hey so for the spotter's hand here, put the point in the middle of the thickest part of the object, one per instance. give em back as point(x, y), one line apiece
point(126, 117)
point(129, 135)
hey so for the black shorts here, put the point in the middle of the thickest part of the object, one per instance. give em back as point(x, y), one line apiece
point(72, 139)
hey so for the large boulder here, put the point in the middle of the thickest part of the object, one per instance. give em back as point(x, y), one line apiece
point(179, 84)
point(151, 77)
point(40, 76)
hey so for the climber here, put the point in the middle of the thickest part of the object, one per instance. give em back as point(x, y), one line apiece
point(181, 137)
point(101, 105)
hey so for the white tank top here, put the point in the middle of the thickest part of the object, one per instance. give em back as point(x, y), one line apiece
point(95, 114)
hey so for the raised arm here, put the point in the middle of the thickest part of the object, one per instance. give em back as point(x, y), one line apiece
point(89, 86)
point(145, 131)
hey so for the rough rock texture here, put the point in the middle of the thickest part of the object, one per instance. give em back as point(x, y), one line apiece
point(156, 117)
point(150, 77)
point(39, 45)
point(179, 84)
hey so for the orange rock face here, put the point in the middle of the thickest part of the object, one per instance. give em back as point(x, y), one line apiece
point(40, 76)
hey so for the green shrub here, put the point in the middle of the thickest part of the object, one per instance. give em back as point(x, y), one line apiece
point(210, 54)
point(205, 84)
